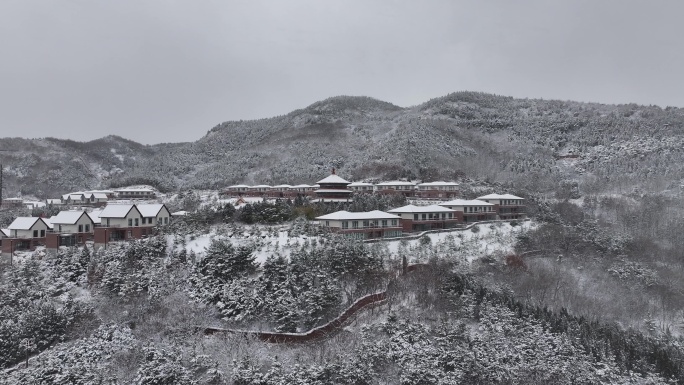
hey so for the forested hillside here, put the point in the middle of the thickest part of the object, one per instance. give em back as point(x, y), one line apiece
point(532, 144)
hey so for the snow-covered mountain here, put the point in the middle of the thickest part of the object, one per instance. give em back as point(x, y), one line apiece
point(536, 144)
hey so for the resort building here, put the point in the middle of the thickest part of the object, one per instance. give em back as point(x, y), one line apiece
point(363, 225)
point(468, 211)
point(507, 206)
point(422, 218)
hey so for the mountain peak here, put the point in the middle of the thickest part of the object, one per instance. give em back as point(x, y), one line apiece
point(339, 104)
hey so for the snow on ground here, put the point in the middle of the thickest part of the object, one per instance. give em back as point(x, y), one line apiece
point(267, 240)
point(491, 239)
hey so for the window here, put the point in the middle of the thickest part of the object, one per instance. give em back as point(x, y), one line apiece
point(451, 215)
point(423, 216)
point(130, 233)
point(42, 233)
point(415, 217)
point(384, 223)
point(80, 228)
point(345, 224)
point(130, 222)
point(394, 222)
point(87, 228)
point(327, 223)
point(166, 220)
point(136, 222)
point(35, 233)
point(365, 224)
point(355, 224)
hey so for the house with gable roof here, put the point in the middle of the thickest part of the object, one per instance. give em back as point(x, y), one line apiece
point(25, 233)
point(120, 222)
point(363, 225)
point(70, 228)
point(154, 214)
point(422, 218)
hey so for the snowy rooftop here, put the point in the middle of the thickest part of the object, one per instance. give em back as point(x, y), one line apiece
point(421, 209)
point(4, 232)
point(333, 190)
point(466, 202)
point(66, 217)
point(260, 186)
point(150, 210)
point(282, 186)
point(438, 183)
point(346, 215)
point(396, 183)
point(333, 178)
point(361, 184)
point(23, 223)
point(302, 186)
point(115, 211)
point(499, 196)
point(95, 215)
point(238, 186)
point(128, 189)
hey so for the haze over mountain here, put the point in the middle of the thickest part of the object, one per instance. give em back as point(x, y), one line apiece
point(529, 143)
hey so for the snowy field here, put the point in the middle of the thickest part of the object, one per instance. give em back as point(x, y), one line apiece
point(267, 240)
point(490, 239)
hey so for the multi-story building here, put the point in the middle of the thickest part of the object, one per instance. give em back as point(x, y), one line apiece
point(507, 206)
point(422, 218)
point(135, 193)
point(363, 225)
point(361, 187)
point(468, 211)
point(407, 189)
point(120, 222)
point(24, 233)
point(154, 214)
point(437, 190)
point(238, 189)
point(70, 228)
point(333, 189)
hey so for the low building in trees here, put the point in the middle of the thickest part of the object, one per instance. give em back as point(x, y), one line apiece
point(361, 187)
point(237, 190)
point(363, 225)
point(507, 206)
point(437, 190)
point(469, 211)
point(408, 189)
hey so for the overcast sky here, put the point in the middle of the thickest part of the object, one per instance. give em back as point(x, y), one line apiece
point(168, 71)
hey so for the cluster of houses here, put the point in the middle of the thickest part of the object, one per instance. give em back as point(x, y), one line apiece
point(412, 218)
point(112, 223)
point(448, 213)
point(335, 189)
point(90, 198)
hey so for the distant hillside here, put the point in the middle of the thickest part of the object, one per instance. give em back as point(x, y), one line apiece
point(533, 144)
